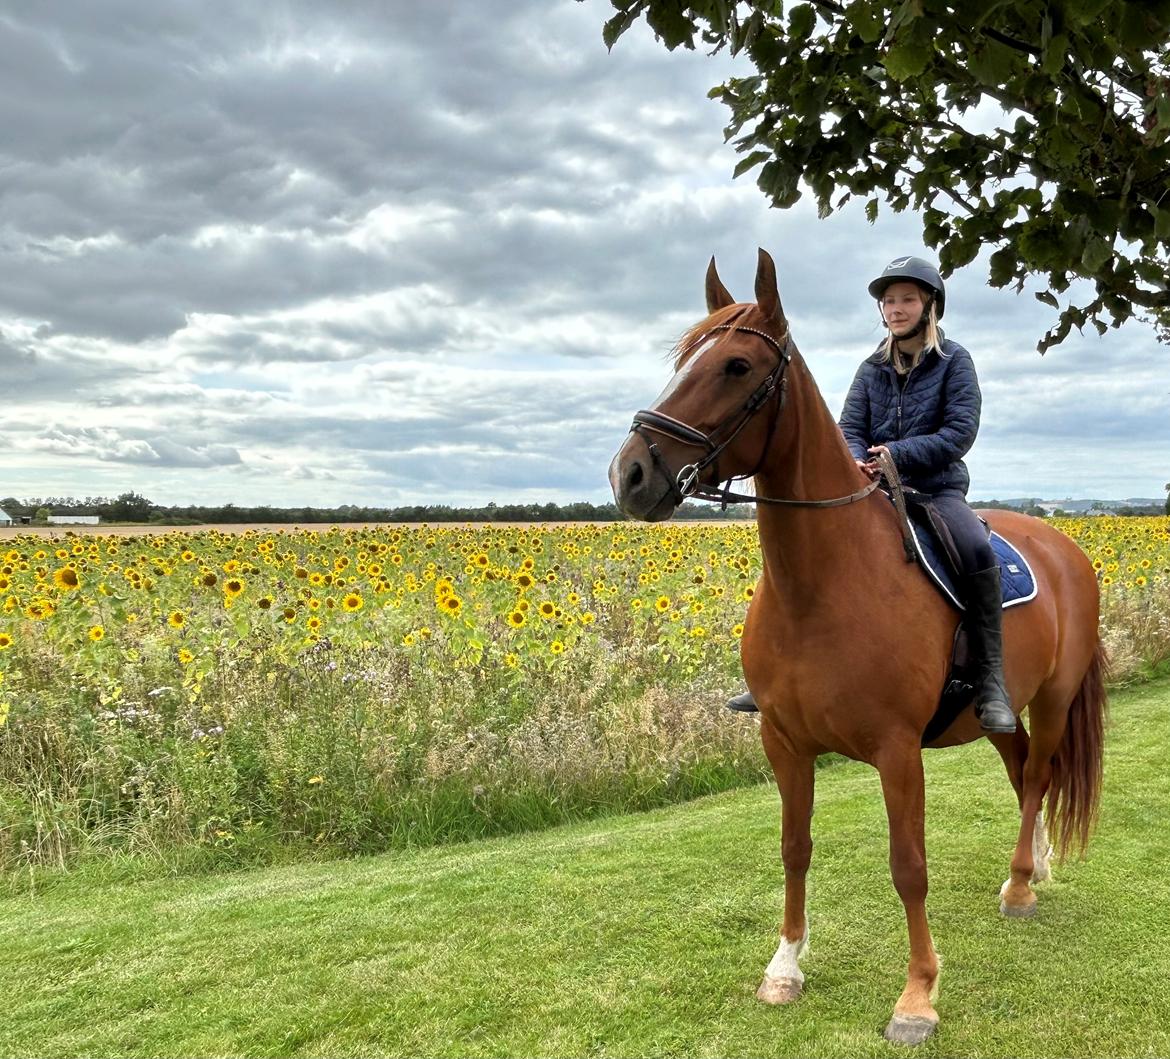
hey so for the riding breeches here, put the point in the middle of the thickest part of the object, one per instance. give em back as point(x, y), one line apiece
point(967, 530)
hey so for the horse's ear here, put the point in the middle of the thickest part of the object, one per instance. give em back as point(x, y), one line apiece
point(717, 294)
point(767, 296)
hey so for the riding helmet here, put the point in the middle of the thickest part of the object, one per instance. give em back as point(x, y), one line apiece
point(917, 270)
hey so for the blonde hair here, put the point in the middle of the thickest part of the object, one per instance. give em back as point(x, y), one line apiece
point(932, 340)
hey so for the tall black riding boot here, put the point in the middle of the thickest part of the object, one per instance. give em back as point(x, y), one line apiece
point(984, 623)
point(743, 703)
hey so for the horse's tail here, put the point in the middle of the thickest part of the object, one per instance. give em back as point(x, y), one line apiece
point(1075, 790)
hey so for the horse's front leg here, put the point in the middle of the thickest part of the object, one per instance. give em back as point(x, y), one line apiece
point(783, 978)
point(900, 768)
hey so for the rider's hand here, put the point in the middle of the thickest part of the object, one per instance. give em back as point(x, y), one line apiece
point(869, 468)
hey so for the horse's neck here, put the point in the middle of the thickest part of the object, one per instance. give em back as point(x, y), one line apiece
point(804, 547)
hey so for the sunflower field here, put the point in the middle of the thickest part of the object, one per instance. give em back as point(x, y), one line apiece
point(364, 688)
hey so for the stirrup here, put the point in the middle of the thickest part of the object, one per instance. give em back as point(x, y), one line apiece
point(743, 703)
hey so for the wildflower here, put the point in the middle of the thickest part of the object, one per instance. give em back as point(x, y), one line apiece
point(451, 604)
point(408, 640)
point(352, 603)
point(662, 603)
point(547, 609)
point(176, 619)
point(209, 579)
point(511, 660)
point(588, 618)
point(185, 657)
point(233, 587)
point(737, 629)
point(97, 633)
point(556, 647)
point(5, 641)
point(516, 619)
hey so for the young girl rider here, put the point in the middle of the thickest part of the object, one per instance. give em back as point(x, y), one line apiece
point(917, 398)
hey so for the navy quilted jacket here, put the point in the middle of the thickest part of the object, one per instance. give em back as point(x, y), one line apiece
point(928, 426)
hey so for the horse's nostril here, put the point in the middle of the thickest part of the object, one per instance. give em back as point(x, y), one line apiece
point(636, 476)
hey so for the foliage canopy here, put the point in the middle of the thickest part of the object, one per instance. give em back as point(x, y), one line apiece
point(1037, 128)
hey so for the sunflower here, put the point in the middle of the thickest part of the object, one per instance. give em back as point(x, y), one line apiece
point(516, 618)
point(97, 633)
point(352, 603)
point(66, 579)
point(176, 619)
point(547, 609)
point(451, 604)
point(556, 647)
point(588, 618)
point(185, 656)
point(737, 629)
point(5, 641)
point(511, 660)
point(313, 624)
point(289, 614)
point(208, 579)
point(233, 587)
point(408, 640)
point(524, 580)
point(662, 604)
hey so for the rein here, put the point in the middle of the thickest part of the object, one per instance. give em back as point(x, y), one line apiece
point(686, 482)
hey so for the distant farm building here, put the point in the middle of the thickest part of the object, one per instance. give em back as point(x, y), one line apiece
point(74, 520)
point(5, 518)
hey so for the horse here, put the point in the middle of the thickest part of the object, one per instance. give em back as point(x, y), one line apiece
point(846, 646)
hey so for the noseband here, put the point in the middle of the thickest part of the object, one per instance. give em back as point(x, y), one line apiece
point(686, 482)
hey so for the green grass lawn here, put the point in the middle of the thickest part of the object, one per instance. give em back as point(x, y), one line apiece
point(638, 935)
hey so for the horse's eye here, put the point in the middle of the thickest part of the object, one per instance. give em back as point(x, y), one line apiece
point(737, 366)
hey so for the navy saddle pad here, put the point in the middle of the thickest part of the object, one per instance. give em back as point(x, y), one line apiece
point(1019, 583)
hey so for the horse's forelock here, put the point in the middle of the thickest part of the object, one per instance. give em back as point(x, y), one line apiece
point(686, 345)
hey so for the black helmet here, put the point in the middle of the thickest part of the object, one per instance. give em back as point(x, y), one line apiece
point(917, 270)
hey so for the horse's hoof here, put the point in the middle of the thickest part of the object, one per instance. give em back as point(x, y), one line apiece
point(1026, 911)
point(910, 1029)
point(780, 990)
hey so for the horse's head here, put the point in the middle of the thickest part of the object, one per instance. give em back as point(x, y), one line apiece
point(714, 420)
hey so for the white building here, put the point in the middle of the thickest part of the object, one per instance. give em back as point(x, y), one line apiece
point(74, 520)
point(5, 518)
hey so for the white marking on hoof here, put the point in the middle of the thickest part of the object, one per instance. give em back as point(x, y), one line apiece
point(910, 1029)
point(1025, 911)
point(783, 979)
point(1041, 852)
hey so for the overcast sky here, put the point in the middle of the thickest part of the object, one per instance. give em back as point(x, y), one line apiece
point(371, 253)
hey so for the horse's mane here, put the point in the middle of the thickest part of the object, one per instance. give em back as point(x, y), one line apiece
point(691, 338)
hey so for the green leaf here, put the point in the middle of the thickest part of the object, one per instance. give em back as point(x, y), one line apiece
point(750, 162)
point(906, 59)
point(801, 21)
point(1048, 298)
point(617, 25)
point(991, 63)
point(1097, 252)
point(866, 21)
point(1052, 60)
point(871, 210)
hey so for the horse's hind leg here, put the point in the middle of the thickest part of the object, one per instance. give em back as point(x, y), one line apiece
point(1013, 749)
point(783, 979)
point(1048, 713)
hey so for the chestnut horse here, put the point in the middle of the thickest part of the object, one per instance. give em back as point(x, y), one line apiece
point(847, 646)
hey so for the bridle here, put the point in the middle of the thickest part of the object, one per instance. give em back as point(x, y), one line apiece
point(686, 482)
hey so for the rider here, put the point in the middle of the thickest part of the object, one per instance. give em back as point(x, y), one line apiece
point(917, 397)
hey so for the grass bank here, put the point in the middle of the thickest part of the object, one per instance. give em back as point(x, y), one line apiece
point(637, 935)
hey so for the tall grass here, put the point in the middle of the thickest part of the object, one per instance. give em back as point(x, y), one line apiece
point(232, 737)
point(357, 750)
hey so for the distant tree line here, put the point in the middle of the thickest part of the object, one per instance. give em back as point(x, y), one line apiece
point(133, 507)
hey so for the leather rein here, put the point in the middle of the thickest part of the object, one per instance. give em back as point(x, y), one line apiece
point(686, 482)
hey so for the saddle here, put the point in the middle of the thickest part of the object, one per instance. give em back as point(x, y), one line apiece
point(928, 541)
